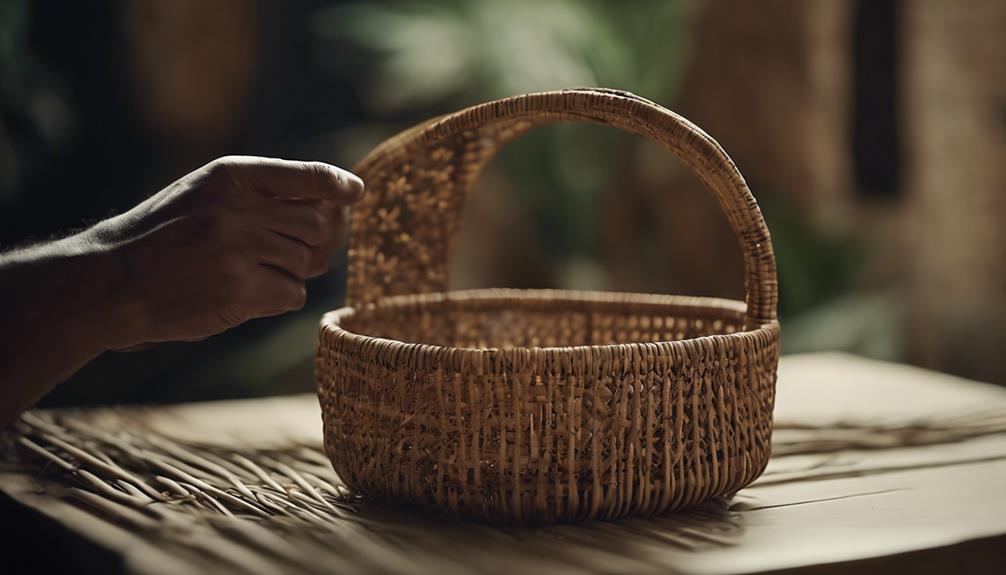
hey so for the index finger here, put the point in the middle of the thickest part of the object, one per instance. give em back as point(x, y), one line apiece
point(295, 179)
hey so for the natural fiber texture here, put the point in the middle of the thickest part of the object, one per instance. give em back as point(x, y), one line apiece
point(221, 508)
point(534, 406)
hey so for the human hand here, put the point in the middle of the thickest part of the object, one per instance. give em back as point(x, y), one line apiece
point(231, 241)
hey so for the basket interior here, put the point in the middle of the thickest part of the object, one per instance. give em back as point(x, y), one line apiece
point(543, 318)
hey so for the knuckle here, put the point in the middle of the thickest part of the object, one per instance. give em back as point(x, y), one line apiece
point(314, 226)
point(222, 174)
point(298, 296)
point(304, 255)
point(231, 317)
point(226, 304)
point(228, 162)
point(316, 220)
point(319, 265)
point(302, 260)
point(223, 167)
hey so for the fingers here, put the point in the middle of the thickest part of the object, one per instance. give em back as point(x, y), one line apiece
point(296, 258)
point(337, 223)
point(294, 179)
point(311, 222)
point(274, 292)
point(318, 228)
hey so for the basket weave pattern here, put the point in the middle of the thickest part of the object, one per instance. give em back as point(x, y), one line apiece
point(530, 407)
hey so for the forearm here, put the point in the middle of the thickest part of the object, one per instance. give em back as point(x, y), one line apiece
point(63, 302)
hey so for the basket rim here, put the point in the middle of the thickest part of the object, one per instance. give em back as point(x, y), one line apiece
point(330, 321)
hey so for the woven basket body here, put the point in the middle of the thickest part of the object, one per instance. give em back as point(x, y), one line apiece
point(533, 406)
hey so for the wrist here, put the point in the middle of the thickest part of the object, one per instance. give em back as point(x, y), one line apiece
point(73, 292)
point(66, 307)
point(113, 313)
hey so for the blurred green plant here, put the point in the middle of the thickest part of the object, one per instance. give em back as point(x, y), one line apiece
point(424, 58)
point(813, 269)
point(442, 54)
point(420, 58)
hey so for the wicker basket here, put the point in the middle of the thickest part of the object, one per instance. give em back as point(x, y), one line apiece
point(530, 407)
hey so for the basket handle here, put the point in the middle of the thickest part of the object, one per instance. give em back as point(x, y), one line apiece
point(402, 232)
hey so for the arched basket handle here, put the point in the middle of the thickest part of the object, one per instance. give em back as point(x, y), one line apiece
point(402, 232)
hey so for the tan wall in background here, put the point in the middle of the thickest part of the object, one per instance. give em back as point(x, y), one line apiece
point(955, 133)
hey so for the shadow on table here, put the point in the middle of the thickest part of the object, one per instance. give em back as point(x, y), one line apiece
point(632, 544)
point(228, 508)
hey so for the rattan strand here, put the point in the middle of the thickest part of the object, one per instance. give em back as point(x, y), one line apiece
point(535, 407)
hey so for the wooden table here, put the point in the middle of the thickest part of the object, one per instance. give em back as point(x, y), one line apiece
point(876, 467)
